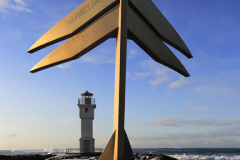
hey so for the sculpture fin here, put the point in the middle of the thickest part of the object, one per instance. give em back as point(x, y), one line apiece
point(98, 32)
point(128, 153)
point(109, 149)
point(74, 22)
point(108, 152)
point(159, 24)
point(152, 44)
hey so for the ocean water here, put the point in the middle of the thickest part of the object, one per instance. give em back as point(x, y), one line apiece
point(33, 152)
point(179, 153)
point(195, 153)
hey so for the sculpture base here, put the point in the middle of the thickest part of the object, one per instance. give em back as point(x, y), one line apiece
point(108, 152)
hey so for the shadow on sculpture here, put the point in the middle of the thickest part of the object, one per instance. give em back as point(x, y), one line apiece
point(92, 23)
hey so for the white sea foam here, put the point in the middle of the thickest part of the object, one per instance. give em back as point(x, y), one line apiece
point(190, 157)
point(54, 151)
point(207, 157)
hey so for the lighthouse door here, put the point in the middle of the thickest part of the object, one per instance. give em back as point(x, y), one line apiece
point(86, 146)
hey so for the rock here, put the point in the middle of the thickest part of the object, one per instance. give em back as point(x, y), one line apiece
point(26, 157)
point(137, 156)
point(164, 157)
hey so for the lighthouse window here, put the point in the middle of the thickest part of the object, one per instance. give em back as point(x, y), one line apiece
point(86, 110)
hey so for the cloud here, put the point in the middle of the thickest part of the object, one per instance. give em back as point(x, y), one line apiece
point(135, 76)
point(160, 73)
point(203, 107)
point(161, 76)
point(132, 54)
point(21, 2)
point(70, 120)
point(98, 58)
point(224, 83)
point(160, 79)
point(8, 135)
point(218, 89)
point(214, 141)
point(14, 34)
point(16, 5)
point(3, 3)
point(219, 138)
point(214, 135)
point(163, 104)
point(65, 65)
point(27, 119)
point(142, 74)
point(192, 103)
point(180, 83)
point(180, 121)
point(111, 60)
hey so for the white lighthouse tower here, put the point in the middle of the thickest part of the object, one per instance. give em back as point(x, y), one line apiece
point(86, 106)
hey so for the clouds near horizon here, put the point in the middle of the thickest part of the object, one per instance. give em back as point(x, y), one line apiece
point(212, 139)
point(181, 121)
point(8, 135)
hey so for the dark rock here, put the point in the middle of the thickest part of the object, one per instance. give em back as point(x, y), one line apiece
point(137, 156)
point(164, 157)
point(26, 157)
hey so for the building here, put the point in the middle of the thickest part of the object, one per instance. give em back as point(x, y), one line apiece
point(86, 106)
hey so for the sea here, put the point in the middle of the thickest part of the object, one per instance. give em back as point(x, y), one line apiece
point(178, 153)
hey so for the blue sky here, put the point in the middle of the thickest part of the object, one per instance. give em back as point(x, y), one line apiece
point(163, 108)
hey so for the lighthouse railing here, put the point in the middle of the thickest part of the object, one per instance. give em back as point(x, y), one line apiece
point(76, 150)
point(81, 101)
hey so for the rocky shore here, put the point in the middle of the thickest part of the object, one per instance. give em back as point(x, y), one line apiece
point(137, 156)
point(83, 156)
point(153, 157)
point(26, 157)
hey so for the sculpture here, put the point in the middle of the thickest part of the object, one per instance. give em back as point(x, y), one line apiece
point(95, 21)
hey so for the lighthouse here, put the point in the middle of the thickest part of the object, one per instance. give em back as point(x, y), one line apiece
point(86, 106)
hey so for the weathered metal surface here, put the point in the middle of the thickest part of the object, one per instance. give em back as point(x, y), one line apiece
point(128, 153)
point(159, 24)
point(120, 82)
point(152, 44)
point(109, 149)
point(108, 152)
point(99, 31)
point(74, 22)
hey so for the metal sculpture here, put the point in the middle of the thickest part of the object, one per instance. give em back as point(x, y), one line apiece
point(95, 21)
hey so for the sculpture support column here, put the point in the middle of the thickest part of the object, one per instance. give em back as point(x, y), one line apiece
point(120, 82)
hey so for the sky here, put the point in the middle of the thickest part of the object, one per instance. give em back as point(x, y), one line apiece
point(163, 108)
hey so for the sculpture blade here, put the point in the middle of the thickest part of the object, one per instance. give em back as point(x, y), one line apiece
point(96, 33)
point(108, 152)
point(109, 149)
point(159, 24)
point(143, 35)
point(74, 22)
